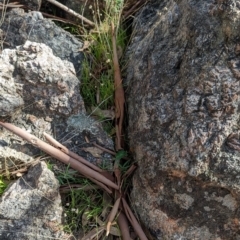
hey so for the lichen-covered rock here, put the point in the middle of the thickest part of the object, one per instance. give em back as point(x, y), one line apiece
point(40, 93)
point(18, 27)
point(43, 81)
point(183, 95)
point(37, 88)
point(11, 100)
point(31, 207)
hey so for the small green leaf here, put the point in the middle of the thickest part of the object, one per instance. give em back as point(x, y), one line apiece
point(3, 185)
point(120, 154)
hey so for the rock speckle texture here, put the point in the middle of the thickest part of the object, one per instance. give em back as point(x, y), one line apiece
point(31, 207)
point(40, 93)
point(18, 27)
point(183, 98)
point(41, 78)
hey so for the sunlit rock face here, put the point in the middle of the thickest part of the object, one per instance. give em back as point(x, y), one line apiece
point(183, 105)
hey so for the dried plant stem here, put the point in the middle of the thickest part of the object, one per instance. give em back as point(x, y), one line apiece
point(112, 215)
point(95, 233)
point(104, 149)
point(101, 185)
point(137, 228)
point(10, 5)
point(123, 225)
point(90, 173)
point(69, 188)
point(59, 146)
point(129, 171)
point(134, 7)
point(119, 97)
point(70, 11)
point(54, 152)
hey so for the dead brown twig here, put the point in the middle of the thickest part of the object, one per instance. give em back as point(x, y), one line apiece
point(137, 228)
point(123, 225)
point(88, 171)
point(131, 7)
point(119, 115)
point(59, 146)
point(10, 5)
point(69, 188)
point(104, 149)
point(112, 215)
point(70, 11)
point(119, 93)
point(61, 156)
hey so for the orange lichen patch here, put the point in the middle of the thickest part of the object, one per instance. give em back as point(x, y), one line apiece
point(233, 225)
point(167, 225)
point(176, 173)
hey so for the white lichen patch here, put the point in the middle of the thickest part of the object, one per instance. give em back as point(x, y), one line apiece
point(81, 122)
point(206, 208)
point(229, 202)
point(183, 200)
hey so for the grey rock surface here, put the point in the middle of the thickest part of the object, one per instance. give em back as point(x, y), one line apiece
point(32, 74)
point(30, 208)
point(40, 93)
point(18, 27)
point(10, 99)
point(183, 98)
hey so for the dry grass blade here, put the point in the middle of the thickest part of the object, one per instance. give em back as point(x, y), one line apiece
point(70, 11)
point(59, 19)
point(104, 149)
point(14, 169)
point(101, 185)
point(11, 5)
point(56, 153)
point(107, 201)
point(69, 188)
point(129, 171)
point(112, 215)
point(132, 6)
point(119, 93)
point(21, 170)
point(59, 146)
point(137, 228)
point(96, 232)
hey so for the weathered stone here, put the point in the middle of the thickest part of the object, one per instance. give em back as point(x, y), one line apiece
point(18, 27)
point(183, 101)
point(39, 92)
point(10, 99)
point(43, 97)
point(31, 207)
point(42, 80)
